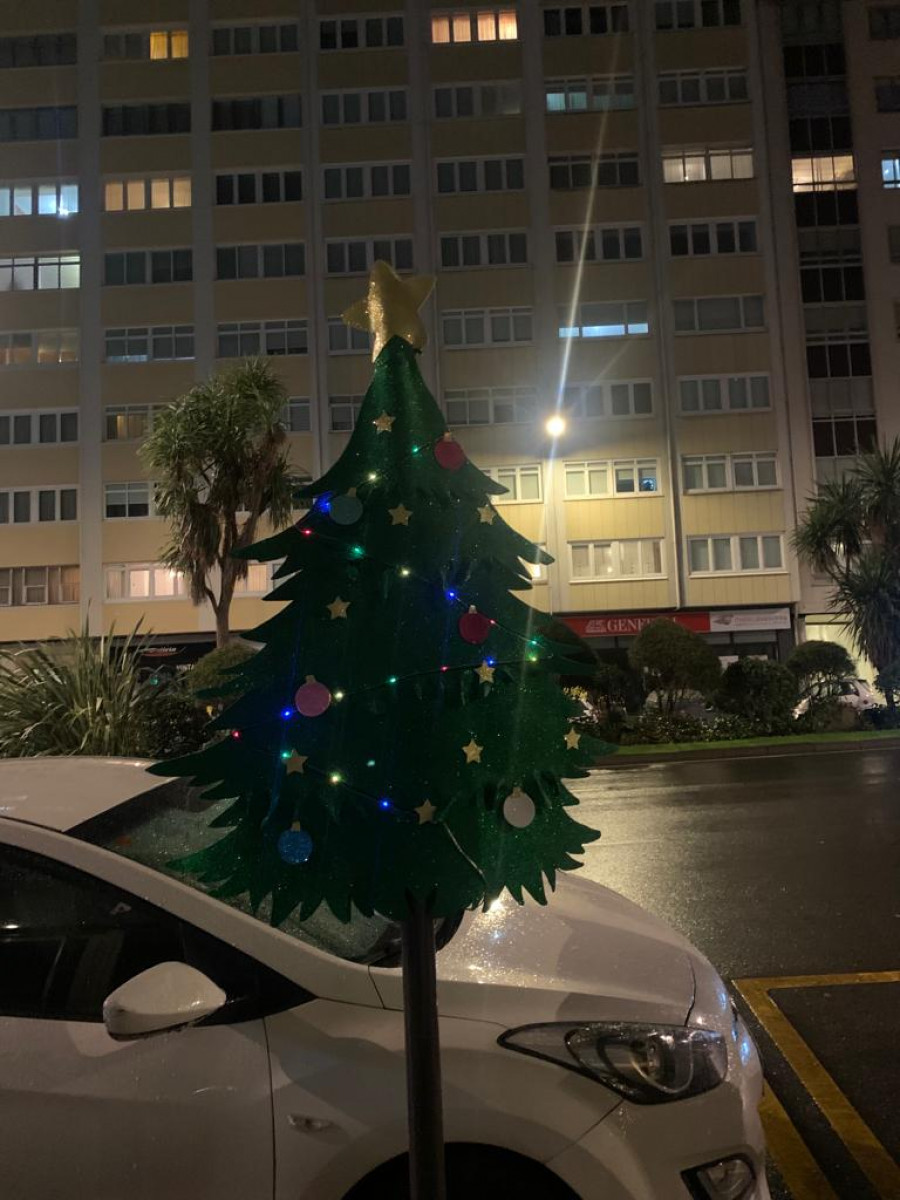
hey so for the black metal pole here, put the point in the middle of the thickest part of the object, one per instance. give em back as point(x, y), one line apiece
point(427, 1177)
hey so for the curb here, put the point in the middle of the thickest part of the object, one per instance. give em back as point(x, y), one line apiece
point(612, 762)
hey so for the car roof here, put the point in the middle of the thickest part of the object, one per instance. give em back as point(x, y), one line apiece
point(61, 793)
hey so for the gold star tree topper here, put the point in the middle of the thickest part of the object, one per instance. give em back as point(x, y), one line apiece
point(391, 308)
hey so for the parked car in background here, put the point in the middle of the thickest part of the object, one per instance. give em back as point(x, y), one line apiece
point(854, 694)
point(158, 1042)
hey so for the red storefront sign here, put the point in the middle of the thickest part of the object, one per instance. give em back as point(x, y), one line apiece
point(629, 624)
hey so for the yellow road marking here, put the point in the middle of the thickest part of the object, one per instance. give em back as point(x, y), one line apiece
point(798, 1168)
point(878, 1166)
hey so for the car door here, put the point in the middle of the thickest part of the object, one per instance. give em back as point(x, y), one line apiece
point(182, 1115)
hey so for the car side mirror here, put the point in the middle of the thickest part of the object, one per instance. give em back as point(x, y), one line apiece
point(166, 996)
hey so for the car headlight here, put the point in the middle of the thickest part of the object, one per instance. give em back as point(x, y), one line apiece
point(647, 1064)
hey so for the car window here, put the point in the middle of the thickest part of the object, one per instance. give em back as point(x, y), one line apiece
point(173, 820)
point(68, 939)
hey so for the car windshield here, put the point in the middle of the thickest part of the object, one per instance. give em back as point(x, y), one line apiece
point(173, 820)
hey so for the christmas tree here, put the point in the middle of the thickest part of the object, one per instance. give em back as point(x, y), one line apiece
point(400, 737)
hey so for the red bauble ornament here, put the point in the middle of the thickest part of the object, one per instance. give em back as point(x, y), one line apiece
point(449, 453)
point(312, 698)
point(474, 627)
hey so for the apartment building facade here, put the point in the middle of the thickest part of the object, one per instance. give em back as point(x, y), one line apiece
point(674, 222)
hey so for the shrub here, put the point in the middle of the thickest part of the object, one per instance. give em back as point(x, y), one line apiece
point(210, 677)
point(888, 682)
point(655, 728)
point(173, 724)
point(818, 662)
point(763, 691)
point(673, 662)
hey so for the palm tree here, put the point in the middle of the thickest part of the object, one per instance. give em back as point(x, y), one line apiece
point(851, 534)
point(218, 456)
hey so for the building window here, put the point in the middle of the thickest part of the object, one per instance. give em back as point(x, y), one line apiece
point(260, 262)
point(129, 422)
point(155, 191)
point(343, 339)
point(703, 166)
point(629, 477)
point(463, 250)
point(43, 272)
point(257, 581)
point(486, 326)
point(573, 21)
point(24, 506)
point(39, 50)
point(729, 472)
point(713, 237)
point(486, 25)
point(256, 112)
point(703, 87)
point(255, 39)
point(884, 21)
point(844, 435)
point(148, 266)
point(38, 428)
point(599, 562)
point(735, 554)
point(144, 581)
point(601, 319)
point(834, 283)
point(823, 172)
point(156, 343)
point(259, 187)
point(156, 45)
point(887, 94)
point(697, 14)
point(575, 171)
point(481, 175)
point(348, 257)
point(370, 179)
point(364, 108)
point(601, 244)
point(241, 339)
point(361, 33)
point(295, 415)
point(343, 412)
point(501, 99)
point(714, 314)
point(26, 199)
point(724, 393)
point(604, 94)
point(890, 169)
point(133, 499)
point(38, 585)
point(837, 357)
point(894, 243)
point(491, 406)
point(522, 483)
point(38, 124)
point(39, 347)
point(145, 120)
point(625, 398)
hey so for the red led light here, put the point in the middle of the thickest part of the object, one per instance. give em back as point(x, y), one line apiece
point(445, 668)
point(306, 532)
point(236, 734)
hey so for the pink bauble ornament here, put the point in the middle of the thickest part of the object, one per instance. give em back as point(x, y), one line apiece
point(449, 453)
point(474, 627)
point(312, 698)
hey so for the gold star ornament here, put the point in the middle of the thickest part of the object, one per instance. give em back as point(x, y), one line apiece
point(338, 608)
point(486, 515)
point(295, 764)
point(384, 422)
point(400, 515)
point(391, 308)
point(425, 812)
point(572, 739)
point(472, 751)
point(485, 673)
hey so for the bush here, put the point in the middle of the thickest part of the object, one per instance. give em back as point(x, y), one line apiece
point(888, 682)
point(173, 724)
point(763, 691)
point(882, 717)
point(210, 677)
point(818, 662)
point(654, 728)
point(673, 662)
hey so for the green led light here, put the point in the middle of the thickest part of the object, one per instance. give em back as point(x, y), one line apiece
point(357, 551)
point(371, 762)
point(285, 754)
point(415, 449)
point(335, 777)
point(534, 642)
point(392, 678)
point(532, 658)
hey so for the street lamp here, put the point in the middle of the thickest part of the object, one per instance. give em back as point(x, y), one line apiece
point(555, 425)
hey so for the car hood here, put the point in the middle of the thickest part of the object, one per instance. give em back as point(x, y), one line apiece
point(588, 954)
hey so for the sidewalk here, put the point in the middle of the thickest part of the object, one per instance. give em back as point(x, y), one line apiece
point(811, 743)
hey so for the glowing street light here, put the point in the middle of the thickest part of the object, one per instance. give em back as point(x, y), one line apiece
point(555, 425)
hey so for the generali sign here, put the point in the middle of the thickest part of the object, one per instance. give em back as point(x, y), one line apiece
point(723, 621)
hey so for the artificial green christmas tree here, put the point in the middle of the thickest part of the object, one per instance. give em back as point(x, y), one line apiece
point(400, 738)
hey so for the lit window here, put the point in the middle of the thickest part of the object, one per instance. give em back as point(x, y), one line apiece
point(890, 169)
point(159, 45)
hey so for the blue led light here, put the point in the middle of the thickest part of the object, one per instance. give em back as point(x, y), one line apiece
point(286, 713)
point(384, 803)
point(491, 662)
point(451, 596)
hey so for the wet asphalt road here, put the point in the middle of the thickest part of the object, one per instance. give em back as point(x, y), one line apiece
point(777, 866)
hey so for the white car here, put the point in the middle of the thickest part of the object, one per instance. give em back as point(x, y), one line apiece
point(854, 694)
point(159, 1043)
